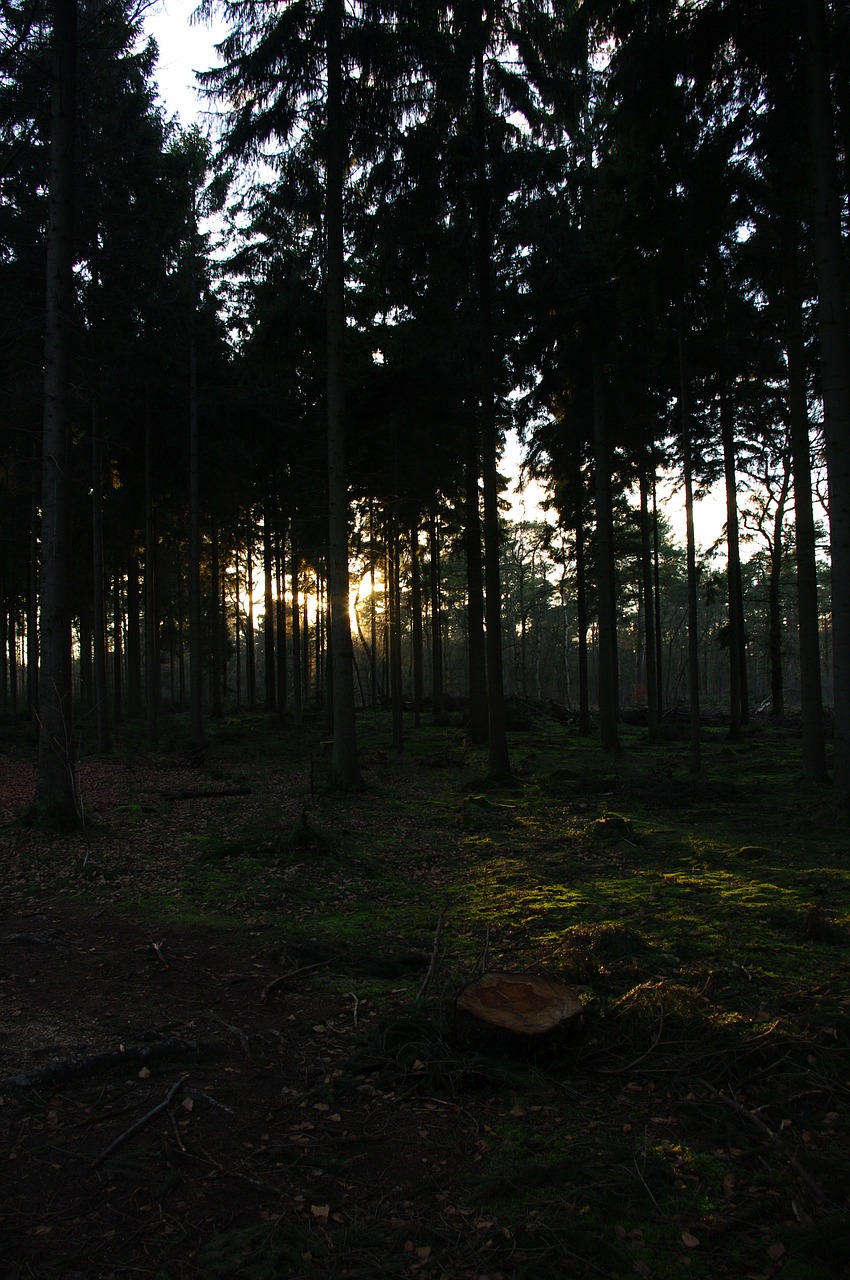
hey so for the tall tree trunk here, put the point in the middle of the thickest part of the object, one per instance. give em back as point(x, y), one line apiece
point(393, 580)
point(498, 760)
point(32, 589)
point(416, 622)
point(811, 694)
point(373, 612)
point(345, 769)
point(835, 376)
point(656, 581)
point(604, 560)
point(777, 691)
point(737, 669)
point(436, 616)
point(693, 617)
point(181, 651)
point(323, 636)
point(151, 629)
point(648, 596)
point(55, 800)
point(134, 638)
point(85, 636)
point(101, 687)
point(297, 662)
point(196, 648)
point(476, 651)
point(280, 621)
point(215, 620)
point(268, 605)
point(250, 652)
point(582, 620)
point(237, 631)
point(117, 652)
point(13, 662)
point(4, 638)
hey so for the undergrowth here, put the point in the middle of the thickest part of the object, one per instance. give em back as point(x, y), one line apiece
point(698, 1123)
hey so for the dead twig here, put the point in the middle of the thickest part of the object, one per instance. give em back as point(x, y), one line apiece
point(128, 1133)
point(481, 967)
point(181, 1144)
point(62, 1070)
point(198, 1095)
point(617, 1071)
point(240, 1035)
point(232, 1173)
point(284, 977)
point(435, 951)
point(757, 1123)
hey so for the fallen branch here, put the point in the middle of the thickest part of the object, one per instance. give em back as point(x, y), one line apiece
point(132, 1055)
point(435, 951)
point(128, 1133)
point(206, 793)
point(198, 1095)
point(32, 940)
point(181, 1144)
point(284, 977)
point(240, 1035)
point(757, 1122)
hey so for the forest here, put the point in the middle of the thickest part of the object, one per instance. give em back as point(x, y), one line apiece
point(256, 380)
point(319, 750)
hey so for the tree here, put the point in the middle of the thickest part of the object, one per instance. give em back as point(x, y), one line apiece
point(345, 768)
point(835, 371)
point(287, 70)
point(55, 802)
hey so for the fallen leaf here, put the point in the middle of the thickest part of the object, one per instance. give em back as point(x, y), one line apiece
point(776, 1251)
point(424, 1252)
point(187, 1104)
point(144, 1073)
point(689, 1241)
point(320, 1211)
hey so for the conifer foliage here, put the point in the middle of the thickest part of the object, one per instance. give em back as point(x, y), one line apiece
point(271, 475)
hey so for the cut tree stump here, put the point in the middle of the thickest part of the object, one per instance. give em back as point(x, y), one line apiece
point(513, 1011)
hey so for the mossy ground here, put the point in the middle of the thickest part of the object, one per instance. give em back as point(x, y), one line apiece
point(697, 1125)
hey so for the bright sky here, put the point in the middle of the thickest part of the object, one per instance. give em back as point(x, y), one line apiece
point(184, 48)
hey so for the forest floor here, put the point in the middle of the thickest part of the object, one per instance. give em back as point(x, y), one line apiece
point(167, 1112)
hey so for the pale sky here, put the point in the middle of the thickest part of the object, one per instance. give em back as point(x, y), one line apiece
point(184, 48)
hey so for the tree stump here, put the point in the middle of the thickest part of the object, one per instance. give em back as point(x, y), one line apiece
point(510, 1012)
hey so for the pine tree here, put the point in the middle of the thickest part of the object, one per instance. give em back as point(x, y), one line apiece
point(55, 802)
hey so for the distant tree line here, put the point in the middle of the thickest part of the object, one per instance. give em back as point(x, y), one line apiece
point(617, 227)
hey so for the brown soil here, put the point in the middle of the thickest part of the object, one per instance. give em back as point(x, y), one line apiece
point(275, 1138)
point(282, 1152)
point(293, 1136)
